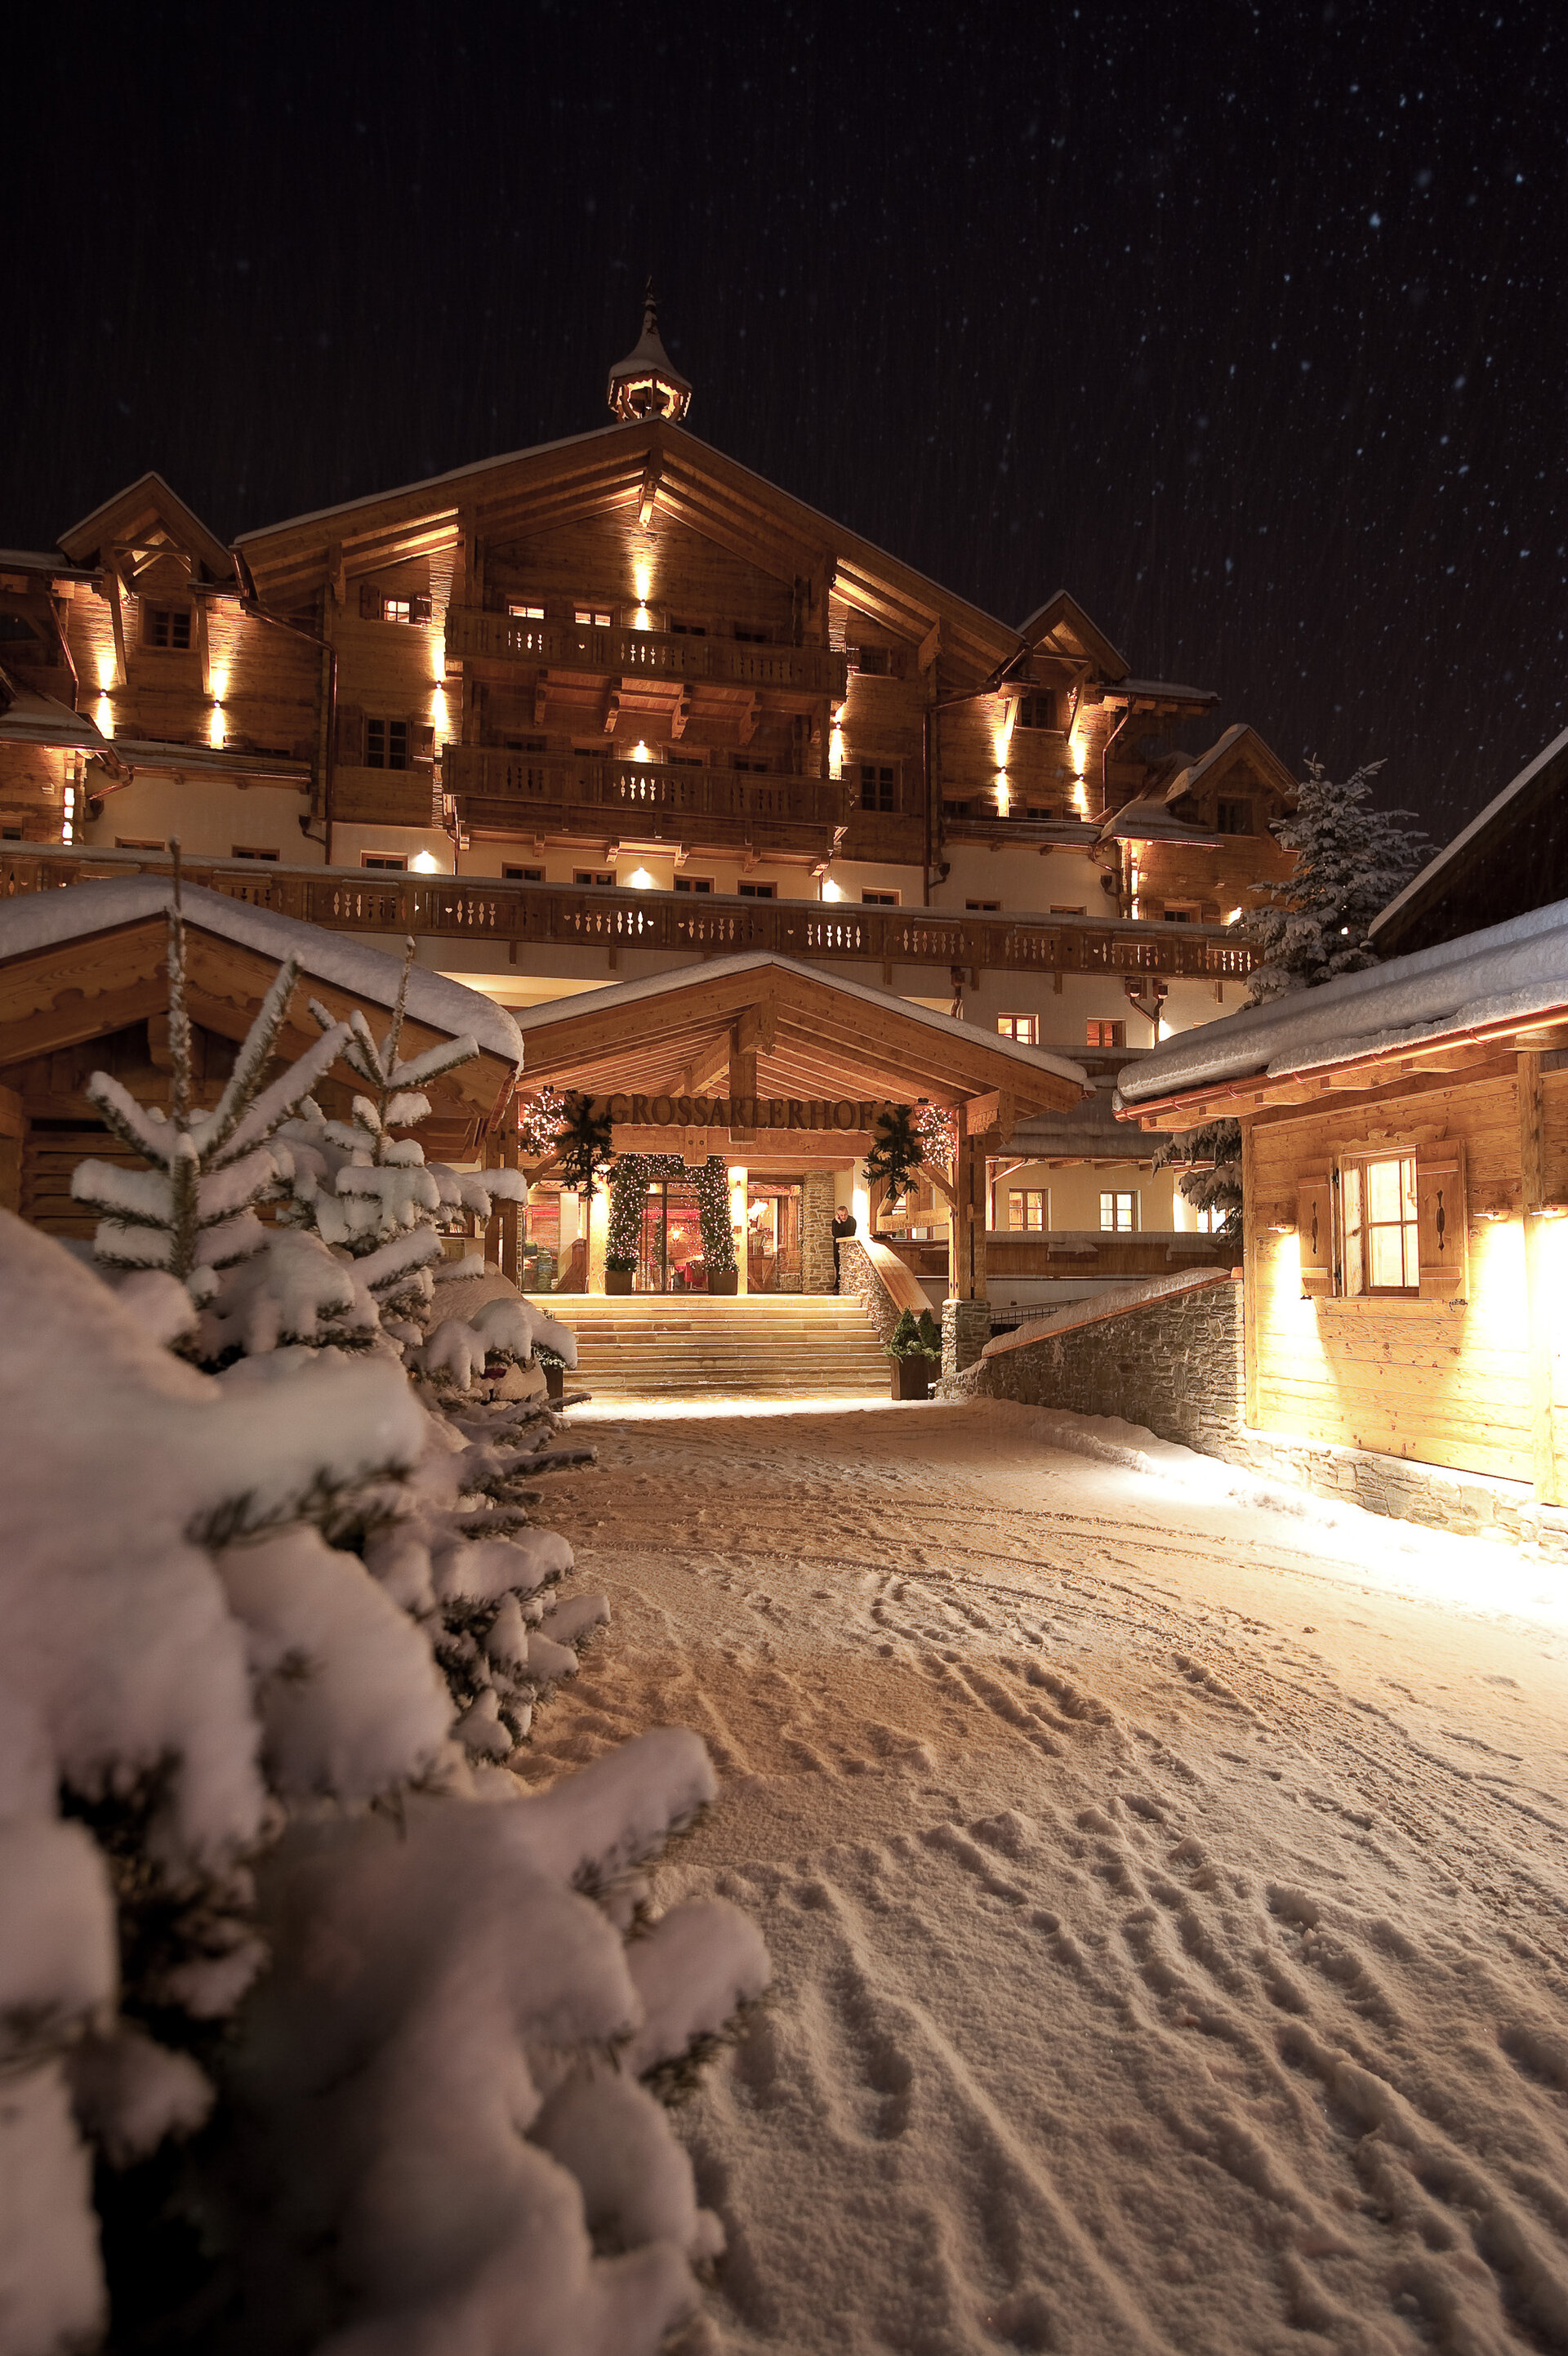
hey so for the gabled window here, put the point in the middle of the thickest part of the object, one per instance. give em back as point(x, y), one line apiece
point(1039, 711)
point(377, 606)
point(1181, 912)
point(1233, 817)
point(386, 743)
point(166, 626)
point(689, 629)
point(879, 785)
point(1025, 1028)
point(525, 743)
point(752, 765)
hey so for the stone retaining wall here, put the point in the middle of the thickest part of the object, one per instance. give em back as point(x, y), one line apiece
point(858, 1275)
point(1176, 1366)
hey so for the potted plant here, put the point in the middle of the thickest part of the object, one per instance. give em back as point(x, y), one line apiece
point(915, 1345)
point(618, 1272)
point(555, 1371)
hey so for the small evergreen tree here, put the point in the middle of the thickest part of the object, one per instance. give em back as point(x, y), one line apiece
point(1215, 1184)
point(896, 1155)
point(1350, 860)
point(584, 1145)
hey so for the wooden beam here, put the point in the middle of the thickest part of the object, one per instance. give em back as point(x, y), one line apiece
point(116, 622)
point(1538, 1289)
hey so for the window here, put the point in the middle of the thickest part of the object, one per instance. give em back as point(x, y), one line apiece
point(694, 883)
point(879, 899)
point(685, 761)
point(393, 862)
point(520, 613)
point(754, 638)
point(593, 875)
point(597, 751)
point(1377, 1226)
point(14, 834)
point(522, 874)
point(1234, 817)
point(1025, 1028)
point(873, 661)
point(1106, 1035)
point(1039, 711)
point(166, 626)
point(879, 785)
point(394, 609)
point(375, 605)
point(983, 907)
point(1118, 1214)
point(1181, 912)
point(758, 891)
point(386, 743)
point(594, 616)
point(248, 851)
point(1026, 1208)
point(525, 743)
point(750, 767)
point(1065, 912)
point(689, 629)
point(138, 842)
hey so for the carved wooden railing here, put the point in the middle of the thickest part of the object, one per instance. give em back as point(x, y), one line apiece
point(615, 653)
point(630, 796)
point(602, 917)
point(1015, 1251)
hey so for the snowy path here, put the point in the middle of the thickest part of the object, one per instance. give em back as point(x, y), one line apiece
point(1169, 1915)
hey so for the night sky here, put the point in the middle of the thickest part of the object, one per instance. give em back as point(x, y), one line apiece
point(1245, 323)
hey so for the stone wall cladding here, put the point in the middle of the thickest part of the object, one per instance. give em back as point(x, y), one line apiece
point(858, 1276)
point(816, 1232)
point(966, 1329)
point(1176, 1367)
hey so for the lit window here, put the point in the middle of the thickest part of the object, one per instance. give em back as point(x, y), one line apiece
point(879, 785)
point(522, 874)
point(1117, 1213)
point(879, 899)
point(386, 743)
point(1208, 1222)
point(393, 863)
point(250, 851)
point(1234, 817)
point(1106, 1035)
point(166, 626)
point(593, 617)
point(1377, 1226)
point(758, 891)
point(1025, 1028)
point(526, 613)
point(1026, 1208)
point(394, 609)
point(694, 883)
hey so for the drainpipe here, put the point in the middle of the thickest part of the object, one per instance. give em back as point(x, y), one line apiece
point(250, 603)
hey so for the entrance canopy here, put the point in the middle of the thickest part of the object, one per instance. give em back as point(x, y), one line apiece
point(759, 1028)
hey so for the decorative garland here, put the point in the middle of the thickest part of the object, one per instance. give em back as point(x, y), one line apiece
point(937, 1129)
point(629, 1193)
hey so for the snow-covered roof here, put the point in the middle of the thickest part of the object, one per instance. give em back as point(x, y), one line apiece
point(206, 760)
point(30, 719)
point(1087, 1131)
point(1161, 691)
point(40, 920)
point(1510, 973)
point(1444, 867)
point(1152, 821)
point(652, 987)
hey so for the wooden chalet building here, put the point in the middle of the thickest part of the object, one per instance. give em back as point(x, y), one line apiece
point(592, 712)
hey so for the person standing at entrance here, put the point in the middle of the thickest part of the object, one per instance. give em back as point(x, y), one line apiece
point(843, 1227)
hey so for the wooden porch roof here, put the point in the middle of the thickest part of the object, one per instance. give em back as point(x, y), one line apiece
point(812, 1036)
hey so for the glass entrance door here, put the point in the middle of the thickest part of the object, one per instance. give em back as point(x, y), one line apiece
point(670, 1259)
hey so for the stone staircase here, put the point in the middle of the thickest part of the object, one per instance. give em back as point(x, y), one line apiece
point(674, 1346)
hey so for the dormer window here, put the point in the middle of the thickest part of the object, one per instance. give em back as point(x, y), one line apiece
point(167, 626)
point(1234, 817)
point(1040, 711)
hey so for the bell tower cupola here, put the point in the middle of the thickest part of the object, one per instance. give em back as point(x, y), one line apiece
point(645, 385)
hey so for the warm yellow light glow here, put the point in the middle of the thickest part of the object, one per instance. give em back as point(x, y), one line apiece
point(103, 717)
point(639, 751)
point(106, 670)
point(440, 714)
point(1004, 794)
point(425, 862)
point(643, 582)
point(1234, 918)
point(639, 880)
point(1078, 753)
point(831, 891)
point(1080, 798)
point(835, 752)
point(642, 619)
point(220, 678)
point(215, 729)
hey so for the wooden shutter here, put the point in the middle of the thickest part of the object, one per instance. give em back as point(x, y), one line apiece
point(1315, 1233)
point(1442, 1226)
point(419, 609)
point(351, 736)
point(370, 602)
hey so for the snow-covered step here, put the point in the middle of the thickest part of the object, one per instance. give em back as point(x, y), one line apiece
point(798, 1346)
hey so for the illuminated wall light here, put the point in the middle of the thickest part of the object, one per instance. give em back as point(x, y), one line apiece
point(440, 714)
point(1004, 794)
point(643, 582)
point(639, 751)
point(425, 862)
point(216, 728)
point(832, 891)
point(220, 679)
point(103, 717)
point(835, 752)
point(640, 880)
point(105, 671)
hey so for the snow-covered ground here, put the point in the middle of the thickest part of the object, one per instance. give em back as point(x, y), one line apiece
point(1166, 1892)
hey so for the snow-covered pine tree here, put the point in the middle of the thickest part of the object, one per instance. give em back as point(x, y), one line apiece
point(1350, 860)
point(1209, 1159)
point(192, 1212)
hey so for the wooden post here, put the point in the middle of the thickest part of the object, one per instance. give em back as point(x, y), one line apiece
point(1250, 1233)
point(1538, 1302)
point(966, 1220)
point(737, 1209)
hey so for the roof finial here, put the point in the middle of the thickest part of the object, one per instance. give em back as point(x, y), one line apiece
point(645, 385)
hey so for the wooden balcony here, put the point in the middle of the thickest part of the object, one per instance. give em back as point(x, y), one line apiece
point(604, 919)
point(1014, 1251)
point(516, 793)
point(633, 655)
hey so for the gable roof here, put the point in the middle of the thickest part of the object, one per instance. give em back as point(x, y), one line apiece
point(1512, 857)
point(623, 465)
point(1239, 742)
point(1061, 626)
point(1485, 990)
point(148, 513)
point(818, 1034)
